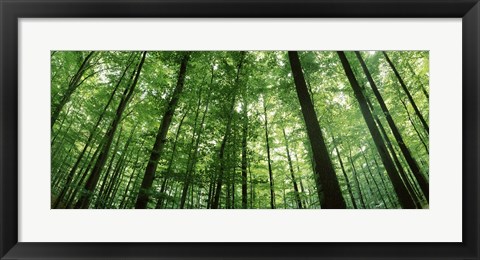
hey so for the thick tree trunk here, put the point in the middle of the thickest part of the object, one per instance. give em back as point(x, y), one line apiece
point(72, 86)
point(402, 193)
point(92, 181)
point(404, 87)
point(396, 133)
point(328, 188)
point(149, 175)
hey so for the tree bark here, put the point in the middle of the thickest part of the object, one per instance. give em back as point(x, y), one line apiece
point(396, 133)
point(92, 181)
point(149, 175)
point(402, 193)
point(170, 163)
point(74, 168)
point(410, 98)
point(357, 183)
point(349, 187)
point(292, 174)
point(221, 153)
point(244, 151)
point(328, 188)
point(72, 86)
point(270, 173)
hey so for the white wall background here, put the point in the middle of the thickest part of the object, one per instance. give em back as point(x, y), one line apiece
point(440, 223)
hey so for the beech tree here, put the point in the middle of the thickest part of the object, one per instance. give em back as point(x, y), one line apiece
point(239, 129)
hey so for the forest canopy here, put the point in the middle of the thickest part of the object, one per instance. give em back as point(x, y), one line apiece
point(239, 129)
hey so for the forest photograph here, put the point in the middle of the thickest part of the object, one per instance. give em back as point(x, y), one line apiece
point(239, 129)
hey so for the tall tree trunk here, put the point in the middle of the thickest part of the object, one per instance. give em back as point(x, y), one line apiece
point(328, 188)
point(292, 174)
point(79, 181)
point(420, 136)
point(72, 86)
point(244, 152)
point(397, 162)
point(270, 173)
point(349, 187)
point(74, 168)
point(132, 175)
point(374, 181)
point(355, 178)
point(148, 177)
point(221, 153)
point(402, 193)
point(92, 181)
point(424, 91)
point(106, 174)
point(393, 153)
point(192, 151)
point(410, 98)
point(396, 133)
point(170, 162)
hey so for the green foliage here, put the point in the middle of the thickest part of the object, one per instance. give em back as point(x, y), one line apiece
point(264, 78)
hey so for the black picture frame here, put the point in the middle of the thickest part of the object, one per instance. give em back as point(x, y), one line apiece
point(12, 10)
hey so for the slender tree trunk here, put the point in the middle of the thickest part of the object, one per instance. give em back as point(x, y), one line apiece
point(71, 174)
point(218, 188)
point(292, 174)
point(405, 199)
point(192, 152)
point(396, 160)
point(72, 86)
point(328, 188)
point(170, 162)
point(393, 153)
point(424, 91)
point(386, 187)
point(92, 181)
point(105, 180)
point(244, 153)
point(349, 187)
point(410, 98)
point(357, 183)
point(132, 175)
point(270, 173)
point(80, 180)
point(420, 137)
point(302, 188)
point(396, 133)
point(60, 128)
point(148, 177)
point(376, 184)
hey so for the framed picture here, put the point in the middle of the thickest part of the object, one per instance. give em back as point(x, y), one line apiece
point(223, 129)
